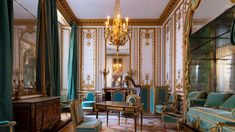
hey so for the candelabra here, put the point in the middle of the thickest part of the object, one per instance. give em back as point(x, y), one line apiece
point(18, 86)
point(105, 73)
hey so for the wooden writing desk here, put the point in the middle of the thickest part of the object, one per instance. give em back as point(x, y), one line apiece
point(120, 106)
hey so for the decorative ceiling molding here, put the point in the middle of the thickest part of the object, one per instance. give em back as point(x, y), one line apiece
point(21, 22)
point(66, 11)
point(168, 10)
point(133, 22)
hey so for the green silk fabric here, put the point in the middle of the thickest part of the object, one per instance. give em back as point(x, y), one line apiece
point(72, 64)
point(48, 65)
point(6, 60)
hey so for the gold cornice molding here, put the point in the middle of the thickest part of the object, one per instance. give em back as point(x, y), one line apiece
point(66, 11)
point(28, 22)
point(168, 10)
point(233, 1)
point(133, 22)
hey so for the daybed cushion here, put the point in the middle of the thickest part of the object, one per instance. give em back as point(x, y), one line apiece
point(229, 104)
point(215, 99)
point(209, 117)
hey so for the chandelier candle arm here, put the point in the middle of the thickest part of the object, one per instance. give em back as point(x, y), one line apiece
point(118, 34)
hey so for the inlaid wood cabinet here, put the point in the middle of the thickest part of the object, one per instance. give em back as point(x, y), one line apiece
point(36, 114)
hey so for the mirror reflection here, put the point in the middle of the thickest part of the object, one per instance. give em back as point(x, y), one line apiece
point(24, 61)
point(117, 64)
point(212, 65)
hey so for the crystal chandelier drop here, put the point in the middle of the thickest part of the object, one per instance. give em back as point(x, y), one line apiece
point(118, 33)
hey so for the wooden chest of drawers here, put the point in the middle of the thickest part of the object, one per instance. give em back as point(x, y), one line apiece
point(36, 114)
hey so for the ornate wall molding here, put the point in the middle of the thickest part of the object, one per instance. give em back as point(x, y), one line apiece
point(168, 10)
point(147, 50)
point(66, 11)
point(133, 22)
point(89, 50)
point(25, 22)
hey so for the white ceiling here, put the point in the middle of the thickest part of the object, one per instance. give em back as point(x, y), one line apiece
point(209, 9)
point(134, 9)
point(21, 13)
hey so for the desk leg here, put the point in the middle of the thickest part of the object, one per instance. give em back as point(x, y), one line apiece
point(135, 123)
point(107, 116)
point(119, 118)
point(97, 113)
point(141, 120)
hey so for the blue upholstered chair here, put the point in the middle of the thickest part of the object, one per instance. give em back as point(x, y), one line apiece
point(118, 96)
point(9, 124)
point(168, 106)
point(80, 123)
point(89, 101)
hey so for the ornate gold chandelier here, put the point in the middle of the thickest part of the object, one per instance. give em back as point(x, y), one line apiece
point(118, 34)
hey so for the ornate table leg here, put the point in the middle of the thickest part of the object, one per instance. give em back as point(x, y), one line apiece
point(107, 120)
point(119, 118)
point(135, 122)
point(141, 120)
point(97, 113)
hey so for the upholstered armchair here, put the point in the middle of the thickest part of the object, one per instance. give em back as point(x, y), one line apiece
point(168, 106)
point(9, 124)
point(89, 101)
point(80, 123)
point(132, 99)
point(118, 96)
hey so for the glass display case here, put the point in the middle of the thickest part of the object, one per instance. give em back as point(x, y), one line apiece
point(212, 55)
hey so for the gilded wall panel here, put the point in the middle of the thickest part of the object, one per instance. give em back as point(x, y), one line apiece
point(179, 20)
point(89, 42)
point(169, 54)
point(146, 47)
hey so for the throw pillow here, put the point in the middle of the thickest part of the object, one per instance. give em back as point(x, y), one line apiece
point(229, 104)
point(215, 99)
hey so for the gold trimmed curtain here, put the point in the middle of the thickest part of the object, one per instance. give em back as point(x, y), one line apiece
point(48, 65)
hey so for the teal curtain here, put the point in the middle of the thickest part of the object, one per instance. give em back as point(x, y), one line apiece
point(232, 35)
point(6, 60)
point(48, 65)
point(72, 64)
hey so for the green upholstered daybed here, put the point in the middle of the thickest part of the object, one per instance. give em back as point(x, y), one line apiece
point(218, 114)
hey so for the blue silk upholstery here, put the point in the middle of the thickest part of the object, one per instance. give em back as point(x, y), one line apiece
point(89, 102)
point(208, 118)
point(118, 96)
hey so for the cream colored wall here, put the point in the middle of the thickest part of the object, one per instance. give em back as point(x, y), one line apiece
point(145, 55)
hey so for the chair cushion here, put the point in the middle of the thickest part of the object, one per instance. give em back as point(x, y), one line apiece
point(215, 99)
point(89, 125)
point(4, 122)
point(88, 104)
point(78, 111)
point(229, 103)
point(159, 108)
